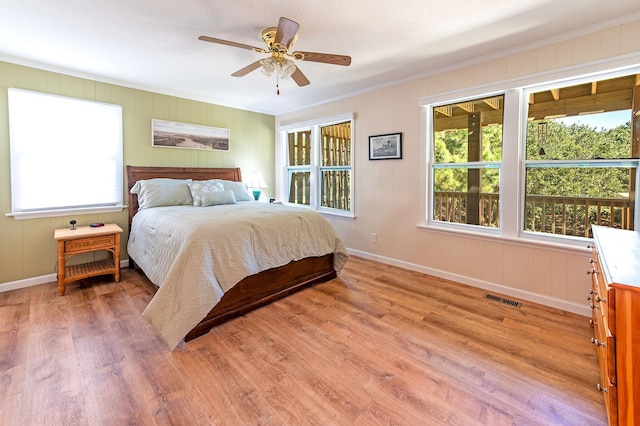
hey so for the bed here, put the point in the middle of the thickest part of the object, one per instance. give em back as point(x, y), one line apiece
point(205, 276)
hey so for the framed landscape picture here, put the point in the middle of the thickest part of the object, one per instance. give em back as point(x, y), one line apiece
point(385, 147)
point(169, 134)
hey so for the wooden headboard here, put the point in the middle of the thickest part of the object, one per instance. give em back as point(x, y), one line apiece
point(136, 173)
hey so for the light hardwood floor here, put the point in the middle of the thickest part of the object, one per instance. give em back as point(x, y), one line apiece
point(379, 345)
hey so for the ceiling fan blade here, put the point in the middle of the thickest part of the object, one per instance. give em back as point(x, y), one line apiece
point(246, 70)
point(286, 32)
point(299, 78)
point(230, 43)
point(325, 58)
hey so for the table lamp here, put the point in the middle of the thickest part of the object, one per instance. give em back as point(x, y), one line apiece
point(256, 184)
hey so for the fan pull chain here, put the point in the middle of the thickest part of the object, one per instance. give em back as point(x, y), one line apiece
point(277, 80)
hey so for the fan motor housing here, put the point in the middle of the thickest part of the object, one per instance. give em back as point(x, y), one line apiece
point(269, 36)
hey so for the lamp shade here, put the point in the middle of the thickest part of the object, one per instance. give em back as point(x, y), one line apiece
point(256, 180)
point(287, 68)
point(268, 66)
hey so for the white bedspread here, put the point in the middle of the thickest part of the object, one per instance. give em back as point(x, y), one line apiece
point(195, 254)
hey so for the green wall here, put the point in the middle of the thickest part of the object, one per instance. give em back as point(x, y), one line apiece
point(27, 248)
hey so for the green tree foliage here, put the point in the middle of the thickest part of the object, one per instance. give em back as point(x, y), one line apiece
point(563, 142)
point(578, 142)
point(450, 146)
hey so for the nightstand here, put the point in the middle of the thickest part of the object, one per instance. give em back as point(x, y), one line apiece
point(85, 239)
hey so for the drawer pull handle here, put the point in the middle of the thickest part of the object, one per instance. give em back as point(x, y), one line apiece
point(602, 389)
point(600, 299)
point(597, 342)
point(592, 271)
point(594, 306)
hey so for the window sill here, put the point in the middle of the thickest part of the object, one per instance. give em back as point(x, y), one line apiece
point(325, 211)
point(572, 245)
point(66, 212)
point(347, 215)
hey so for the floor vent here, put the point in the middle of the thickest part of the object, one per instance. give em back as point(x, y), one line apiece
point(503, 300)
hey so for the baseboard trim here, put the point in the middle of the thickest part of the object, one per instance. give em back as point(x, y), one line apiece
point(521, 294)
point(43, 279)
point(489, 286)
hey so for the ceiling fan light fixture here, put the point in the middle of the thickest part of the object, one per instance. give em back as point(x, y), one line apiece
point(268, 66)
point(287, 68)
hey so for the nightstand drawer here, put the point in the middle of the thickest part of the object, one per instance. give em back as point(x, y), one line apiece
point(89, 244)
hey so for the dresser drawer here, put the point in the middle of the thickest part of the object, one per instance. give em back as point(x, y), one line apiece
point(89, 244)
point(599, 296)
point(605, 349)
point(610, 395)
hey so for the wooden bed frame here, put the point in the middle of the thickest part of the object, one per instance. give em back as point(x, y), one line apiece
point(255, 290)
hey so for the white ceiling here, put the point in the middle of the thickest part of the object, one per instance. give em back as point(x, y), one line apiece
point(153, 44)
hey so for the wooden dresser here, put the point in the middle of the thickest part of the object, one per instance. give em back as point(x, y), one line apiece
point(615, 304)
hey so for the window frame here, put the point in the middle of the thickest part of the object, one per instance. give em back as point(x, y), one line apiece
point(431, 166)
point(315, 168)
point(62, 160)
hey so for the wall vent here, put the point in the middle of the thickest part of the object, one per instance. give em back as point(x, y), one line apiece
point(503, 300)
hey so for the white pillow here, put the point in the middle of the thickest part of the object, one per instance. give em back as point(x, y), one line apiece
point(162, 192)
point(240, 190)
point(216, 198)
point(199, 188)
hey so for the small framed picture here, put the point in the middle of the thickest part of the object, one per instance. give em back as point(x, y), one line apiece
point(385, 147)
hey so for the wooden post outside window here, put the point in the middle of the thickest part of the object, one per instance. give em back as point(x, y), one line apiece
point(474, 180)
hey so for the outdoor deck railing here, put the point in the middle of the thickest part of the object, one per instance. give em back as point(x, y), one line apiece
point(555, 215)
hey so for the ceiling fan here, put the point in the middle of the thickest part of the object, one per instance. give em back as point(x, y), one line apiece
point(278, 41)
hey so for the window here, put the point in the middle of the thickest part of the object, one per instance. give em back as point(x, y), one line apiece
point(580, 165)
point(66, 155)
point(548, 162)
point(467, 154)
point(319, 165)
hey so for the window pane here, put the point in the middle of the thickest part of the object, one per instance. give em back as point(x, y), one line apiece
point(467, 195)
point(336, 189)
point(299, 148)
point(65, 153)
point(584, 121)
point(568, 200)
point(336, 144)
point(455, 138)
point(299, 188)
point(598, 136)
